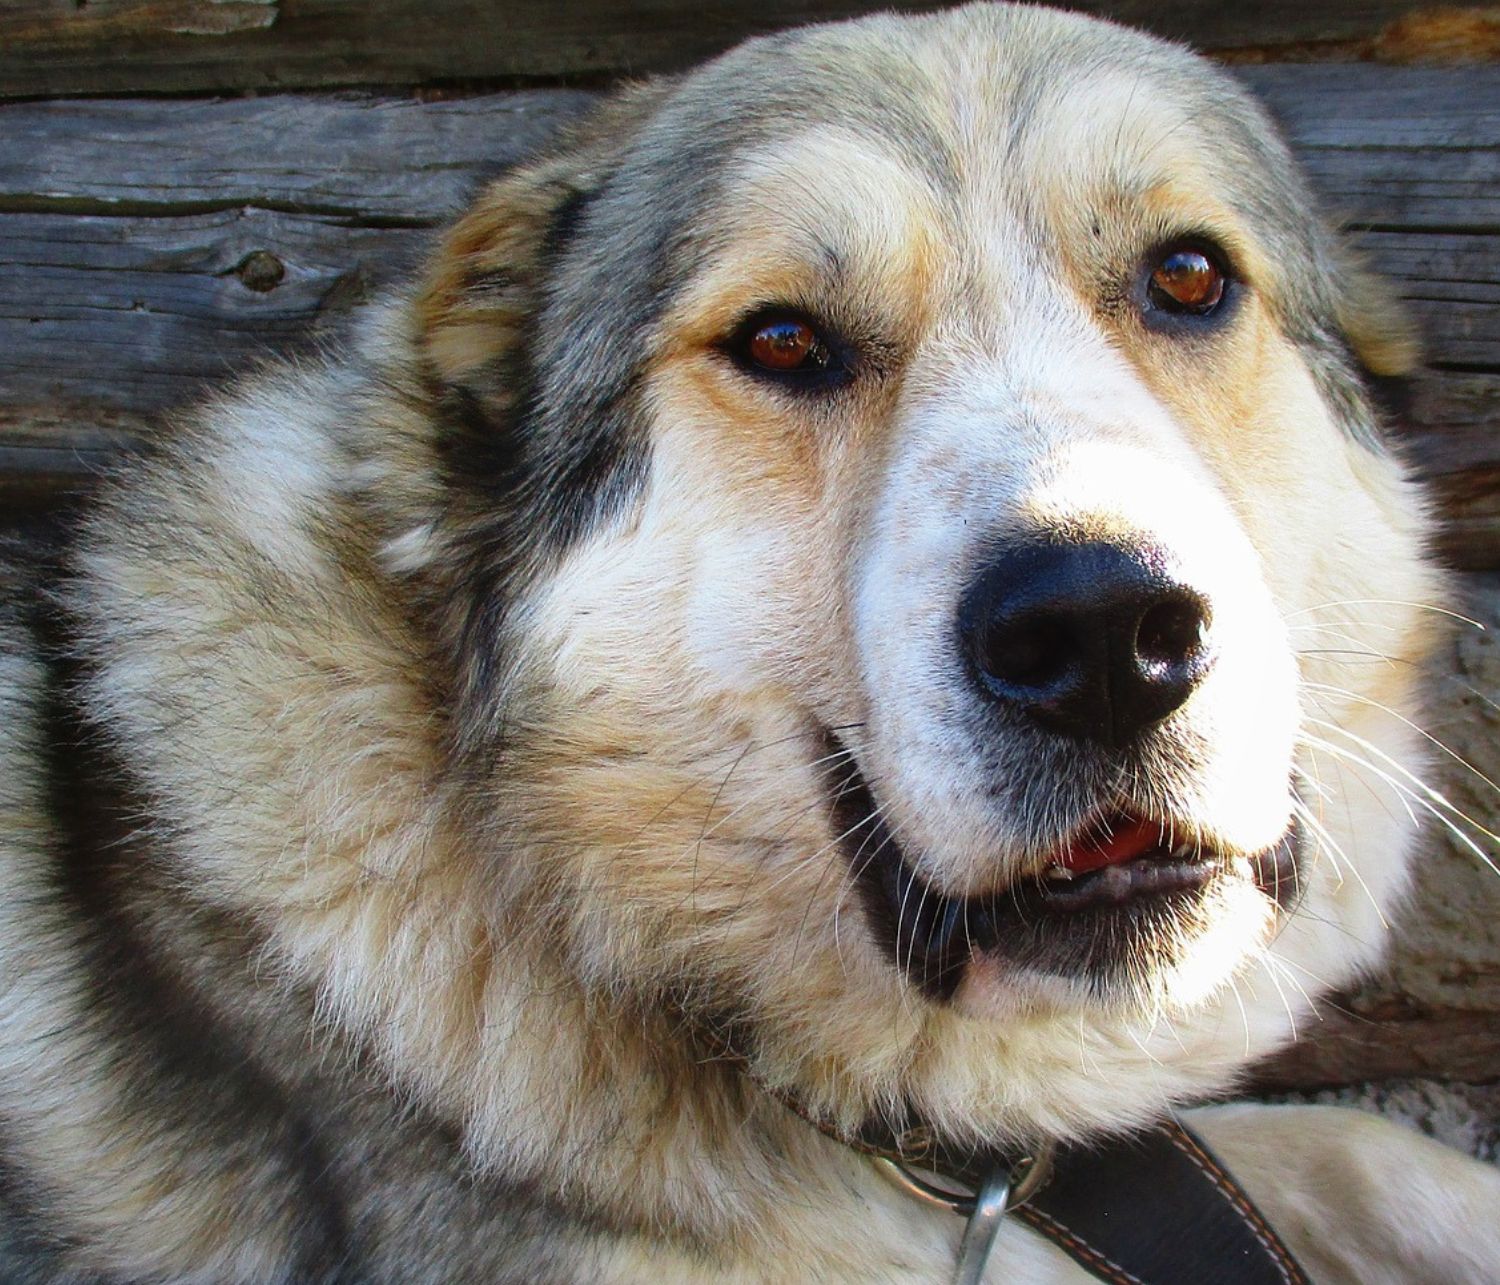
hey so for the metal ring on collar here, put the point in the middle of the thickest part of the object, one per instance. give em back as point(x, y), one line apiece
point(1026, 1178)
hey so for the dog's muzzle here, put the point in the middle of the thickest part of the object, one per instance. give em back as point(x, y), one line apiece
point(1085, 648)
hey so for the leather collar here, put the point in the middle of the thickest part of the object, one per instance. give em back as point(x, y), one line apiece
point(1158, 1208)
point(1154, 1207)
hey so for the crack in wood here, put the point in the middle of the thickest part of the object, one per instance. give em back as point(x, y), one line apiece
point(130, 207)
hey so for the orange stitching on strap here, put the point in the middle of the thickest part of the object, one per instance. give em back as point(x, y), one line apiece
point(1186, 1143)
point(1050, 1227)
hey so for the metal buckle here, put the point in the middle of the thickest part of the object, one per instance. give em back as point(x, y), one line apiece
point(1003, 1189)
point(1026, 1177)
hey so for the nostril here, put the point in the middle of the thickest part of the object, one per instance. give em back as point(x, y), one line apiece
point(1026, 653)
point(1172, 633)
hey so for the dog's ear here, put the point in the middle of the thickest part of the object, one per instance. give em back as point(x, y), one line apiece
point(485, 284)
point(1372, 318)
point(480, 301)
point(489, 320)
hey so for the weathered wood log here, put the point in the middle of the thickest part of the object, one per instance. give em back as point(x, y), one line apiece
point(1387, 147)
point(139, 313)
point(1396, 148)
point(384, 161)
point(149, 248)
point(1340, 1046)
point(126, 46)
point(1451, 440)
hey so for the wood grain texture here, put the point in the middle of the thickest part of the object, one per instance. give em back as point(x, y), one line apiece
point(149, 248)
point(1341, 1045)
point(1393, 147)
point(378, 160)
point(127, 46)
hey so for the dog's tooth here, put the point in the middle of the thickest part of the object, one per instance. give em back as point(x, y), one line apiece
point(1055, 871)
point(1183, 851)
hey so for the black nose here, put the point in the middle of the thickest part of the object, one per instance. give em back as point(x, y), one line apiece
point(1093, 640)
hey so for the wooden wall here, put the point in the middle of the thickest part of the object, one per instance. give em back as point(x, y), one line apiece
point(190, 186)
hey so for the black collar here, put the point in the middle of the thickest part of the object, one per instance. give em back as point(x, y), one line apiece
point(1154, 1207)
point(1157, 1208)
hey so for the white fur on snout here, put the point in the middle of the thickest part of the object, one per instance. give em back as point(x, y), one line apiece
point(1071, 443)
point(1244, 713)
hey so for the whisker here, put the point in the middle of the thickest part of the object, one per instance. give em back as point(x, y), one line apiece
point(1276, 965)
point(1351, 622)
point(1419, 786)
point(1234, 989)
point(708, 813)
point(1360, 653)
point(1388, 602)
point(1421, 731)
point(1342, 861)
point(1327, 985)
point(1291, 1017)
point(818, 888)
point(1431, 807)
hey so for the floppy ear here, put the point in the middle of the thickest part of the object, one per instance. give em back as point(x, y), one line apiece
point(495, 316)
point(486, 281)
point(481, 298)
point(1372, 318)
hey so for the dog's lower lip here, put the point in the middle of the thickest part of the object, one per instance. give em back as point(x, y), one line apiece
point(1067, 886)
point(1044, 914)
point(1155, 871)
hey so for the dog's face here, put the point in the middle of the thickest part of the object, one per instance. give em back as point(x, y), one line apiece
point(957, 541)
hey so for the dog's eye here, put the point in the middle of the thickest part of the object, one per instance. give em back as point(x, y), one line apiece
point(788, 347)
point(785, 345)
point(1185, 279)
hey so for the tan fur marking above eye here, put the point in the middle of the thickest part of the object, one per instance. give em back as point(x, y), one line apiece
point(873, 238)
point(863, 256)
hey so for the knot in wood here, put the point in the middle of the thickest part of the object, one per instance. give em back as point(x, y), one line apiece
point(260, 270)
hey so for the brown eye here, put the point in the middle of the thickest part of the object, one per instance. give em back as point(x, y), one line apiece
point(1186, 280)
point(790, 350)
point(784, 345)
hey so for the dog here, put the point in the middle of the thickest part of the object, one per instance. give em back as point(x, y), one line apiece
point(812, 614)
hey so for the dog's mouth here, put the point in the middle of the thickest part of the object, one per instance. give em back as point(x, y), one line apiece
point(1125, 893)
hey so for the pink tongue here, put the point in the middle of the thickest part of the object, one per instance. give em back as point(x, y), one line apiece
point(1124, 841)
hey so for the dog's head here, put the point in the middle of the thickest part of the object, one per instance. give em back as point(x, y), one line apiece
point(924, 540)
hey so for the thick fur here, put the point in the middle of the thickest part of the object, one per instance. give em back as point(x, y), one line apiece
point(415, 793)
